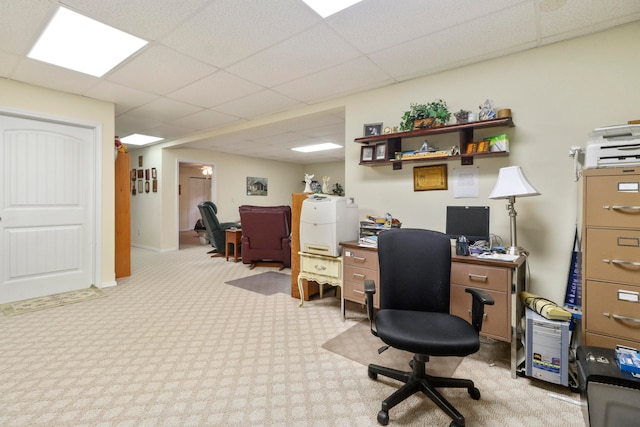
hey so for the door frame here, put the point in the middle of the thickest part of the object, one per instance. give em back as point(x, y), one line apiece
point(214, 189)
point(95, 184)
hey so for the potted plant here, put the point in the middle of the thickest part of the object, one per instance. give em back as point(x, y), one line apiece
point(425, 115)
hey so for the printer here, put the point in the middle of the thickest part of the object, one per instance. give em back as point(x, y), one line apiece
point(613, 146)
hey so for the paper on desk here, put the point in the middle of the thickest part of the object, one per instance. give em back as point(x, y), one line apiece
point(466, 182)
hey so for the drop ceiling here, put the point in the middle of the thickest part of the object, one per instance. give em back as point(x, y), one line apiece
point(211, 64)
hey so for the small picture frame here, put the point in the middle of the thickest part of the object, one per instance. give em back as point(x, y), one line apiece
point(381, 152)
point(133, 188)
point(372, 129)
point(427, 178)
point(146, 175)
point(146, 186)
point(154, 186)
point(140, 174)
point(154, 174)
point(134, 174)
point(472, 147)
point(366, 153)
point(483, 146)
point(139, 161)
point(140, 186)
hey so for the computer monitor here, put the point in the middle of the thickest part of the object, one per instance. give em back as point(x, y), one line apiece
point(469, 221)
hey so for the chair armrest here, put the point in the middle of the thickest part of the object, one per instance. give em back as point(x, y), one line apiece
point(479, 300)
point(369, 290)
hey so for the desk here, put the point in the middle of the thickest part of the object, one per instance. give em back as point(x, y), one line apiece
point(323, 270)
point(501, 279)
point(233, 236)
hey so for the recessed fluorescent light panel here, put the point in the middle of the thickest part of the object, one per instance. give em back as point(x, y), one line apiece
point(317, 147)
point(328, 7)
point(137, 139)
point(82, 44)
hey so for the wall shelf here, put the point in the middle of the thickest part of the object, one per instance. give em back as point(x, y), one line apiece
point(393, 143)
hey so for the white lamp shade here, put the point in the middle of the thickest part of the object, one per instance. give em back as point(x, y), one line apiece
point(512, 182)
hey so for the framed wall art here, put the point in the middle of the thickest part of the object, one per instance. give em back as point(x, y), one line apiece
point(427, 178)
point(256, 186)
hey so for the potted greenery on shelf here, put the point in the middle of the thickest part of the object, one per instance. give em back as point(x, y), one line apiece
point(435, 113)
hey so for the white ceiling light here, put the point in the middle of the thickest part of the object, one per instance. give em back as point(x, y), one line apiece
point(82, 44)
point(329, 7)
point(317, 147)
point(137, 139)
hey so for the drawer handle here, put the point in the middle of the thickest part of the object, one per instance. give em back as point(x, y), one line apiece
point(621, 262)
point(320, 267)
point(478, 277)
point(359, 276)
point(359, 292)
point(484, 315)
point(621, 208)
point(623, 318)
point(359, 259)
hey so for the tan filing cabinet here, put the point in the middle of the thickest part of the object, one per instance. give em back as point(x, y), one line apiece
point(611, 257)
point(360, 264)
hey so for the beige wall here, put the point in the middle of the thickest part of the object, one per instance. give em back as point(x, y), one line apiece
point(64, 106)
point(557, 94)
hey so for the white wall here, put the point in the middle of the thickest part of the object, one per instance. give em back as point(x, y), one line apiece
point(557, 94)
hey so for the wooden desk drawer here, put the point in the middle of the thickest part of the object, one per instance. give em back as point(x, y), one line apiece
point(481, 277)
point(606, 202)
point(497, 321)
point(613, 254)
point(354, 291)
point(330, 267)
point(608, 311)
point(360, 258)
point(597, 340)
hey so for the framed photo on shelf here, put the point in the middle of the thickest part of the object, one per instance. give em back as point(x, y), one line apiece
point(372, 129)
point(472, 147)
point(366, 153)
point(381, 151)
point(483, 146)
point(427, 178)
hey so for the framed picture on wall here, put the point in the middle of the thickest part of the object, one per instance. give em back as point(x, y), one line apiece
point(427, 178)
point(146, 174)
point(146, 186)
point(140, 174)
point(155, 185)
point(140, 186)
point(154, 174)
point(134, 174)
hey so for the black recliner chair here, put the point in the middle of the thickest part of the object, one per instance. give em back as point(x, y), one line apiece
point(415, 269)
point(215, 230)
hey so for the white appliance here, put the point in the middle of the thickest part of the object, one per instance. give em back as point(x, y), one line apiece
point(325, 221)
point(613, 146)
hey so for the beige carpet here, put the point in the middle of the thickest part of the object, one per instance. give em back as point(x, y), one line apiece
point(51, 301)
point(173, 345)
point(360, 345)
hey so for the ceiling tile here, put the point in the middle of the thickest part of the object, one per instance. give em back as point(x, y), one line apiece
point(21, 23)
point(257, 104)
point(165, 109)
point(158, 69)
point(216, 89)
point(230, 30)
point(305, 53)
point(125, 98)
point(206, 119)
point(47, 75)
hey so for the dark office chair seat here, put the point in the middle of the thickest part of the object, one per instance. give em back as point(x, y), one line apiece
point(415, 269)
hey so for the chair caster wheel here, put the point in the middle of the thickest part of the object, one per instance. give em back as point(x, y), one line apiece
point(474, 393)
point(383, 418)
point(455, 424)
point(372, 375)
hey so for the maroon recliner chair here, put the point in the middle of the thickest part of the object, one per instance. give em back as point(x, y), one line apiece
point(266, 235)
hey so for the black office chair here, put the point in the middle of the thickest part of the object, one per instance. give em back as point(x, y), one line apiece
point(215, 230)
point(415, 269)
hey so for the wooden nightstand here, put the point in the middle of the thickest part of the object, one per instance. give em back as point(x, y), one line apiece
point(233, 236)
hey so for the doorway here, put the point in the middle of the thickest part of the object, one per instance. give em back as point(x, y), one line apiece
point(195, 187)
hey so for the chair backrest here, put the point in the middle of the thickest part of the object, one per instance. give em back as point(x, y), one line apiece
point(208, 212)
point(415, 270)
point(265, 225)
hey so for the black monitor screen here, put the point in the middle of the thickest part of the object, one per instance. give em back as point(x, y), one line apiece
point(469, 221)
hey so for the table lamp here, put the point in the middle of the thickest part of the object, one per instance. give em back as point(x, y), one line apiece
point(511, 184)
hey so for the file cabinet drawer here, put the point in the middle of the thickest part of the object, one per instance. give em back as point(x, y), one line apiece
point(612, 200)
point(360, 258)
point(496, 323)
point(614, 309)
point(614, 254)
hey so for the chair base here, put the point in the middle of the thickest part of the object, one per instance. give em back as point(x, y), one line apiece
point(418, 380)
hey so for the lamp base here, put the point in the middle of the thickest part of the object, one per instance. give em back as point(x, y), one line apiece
point(516, 250)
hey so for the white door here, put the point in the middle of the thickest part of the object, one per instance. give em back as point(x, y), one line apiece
point(199, 191)
point(46, 209)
